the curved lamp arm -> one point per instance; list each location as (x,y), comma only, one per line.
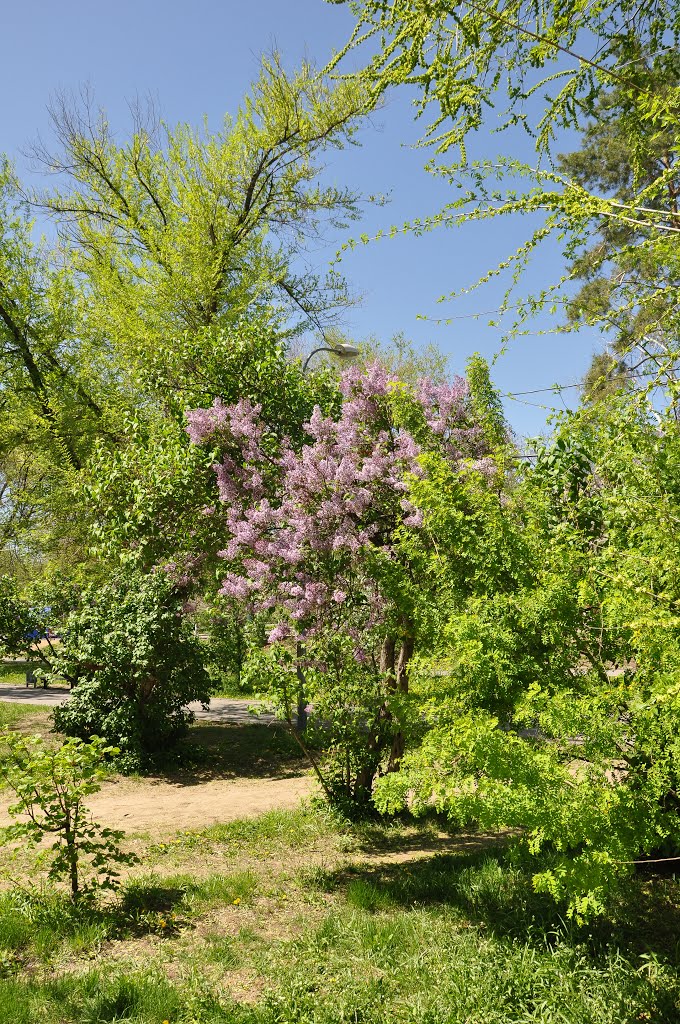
(344,352)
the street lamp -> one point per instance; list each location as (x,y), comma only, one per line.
(340,348)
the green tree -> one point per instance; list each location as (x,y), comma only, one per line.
(538,67)
(553,694)
(48,401)
(406,360)
(55,390)
(617,162)
(177,231)
(171,245)
(136,664)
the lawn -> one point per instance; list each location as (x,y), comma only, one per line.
(301,917)
(26,717)
(12,673)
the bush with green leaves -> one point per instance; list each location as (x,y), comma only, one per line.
(553,699)
(50,787)
(137,666)
(354,712)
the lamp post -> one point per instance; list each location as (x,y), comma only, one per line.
(341,349)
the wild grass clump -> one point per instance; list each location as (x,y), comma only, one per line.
(274,830)
(394,936)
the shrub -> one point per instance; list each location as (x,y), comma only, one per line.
(50,788)
(137,666)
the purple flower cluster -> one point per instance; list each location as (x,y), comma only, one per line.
(310,529)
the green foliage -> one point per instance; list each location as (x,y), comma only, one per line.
(353,707)
(177,229)
(619,156)
(136,663)
(233,634)
(553,688)
(18,622)
(404,359)
(486,404)
(176,278)
(153,499)
(465,62)
(533,67)
(50,788)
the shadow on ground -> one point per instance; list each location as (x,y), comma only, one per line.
(426,837)
(235,752)
(486,888)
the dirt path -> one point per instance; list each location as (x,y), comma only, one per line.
(165,807)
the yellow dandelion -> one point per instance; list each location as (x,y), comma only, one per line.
(237,901)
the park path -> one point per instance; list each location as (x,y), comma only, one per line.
(158,806)
(161,807)
(222,709)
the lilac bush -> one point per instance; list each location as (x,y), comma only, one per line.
(320,537)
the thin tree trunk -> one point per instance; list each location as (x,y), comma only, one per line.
(72,855)
(400,686)
(301,697)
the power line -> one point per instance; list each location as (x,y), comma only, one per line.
(575,384)
(471,316)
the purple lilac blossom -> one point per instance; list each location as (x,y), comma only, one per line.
(300,523)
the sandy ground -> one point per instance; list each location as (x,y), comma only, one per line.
(162,806)
(165,807)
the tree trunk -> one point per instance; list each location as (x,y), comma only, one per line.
(400,686)
(301,721)
(72,857)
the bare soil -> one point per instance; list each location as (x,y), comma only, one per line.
(164,807)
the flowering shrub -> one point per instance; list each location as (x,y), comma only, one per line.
(320,538)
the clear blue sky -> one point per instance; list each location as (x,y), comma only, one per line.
(198,59)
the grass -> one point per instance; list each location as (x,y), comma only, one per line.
(345,936)
(24,716)
(302,917)
(12,673)
(243,751)
(274,831)
(225,685)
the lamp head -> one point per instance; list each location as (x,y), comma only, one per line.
(345,350)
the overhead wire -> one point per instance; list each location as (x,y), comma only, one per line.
(565,387)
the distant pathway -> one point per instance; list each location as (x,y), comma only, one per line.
(222,709)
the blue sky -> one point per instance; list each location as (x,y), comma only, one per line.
(198,59)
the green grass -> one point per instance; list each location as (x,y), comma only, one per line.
(37,928)
(12,673)
(270,832)
(353,936)
(13,716)
(225,685)
(95,998)
(426,966)
(243,751)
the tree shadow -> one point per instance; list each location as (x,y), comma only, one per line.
(487,888)
(229,751)
(430,835)
(149,896)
